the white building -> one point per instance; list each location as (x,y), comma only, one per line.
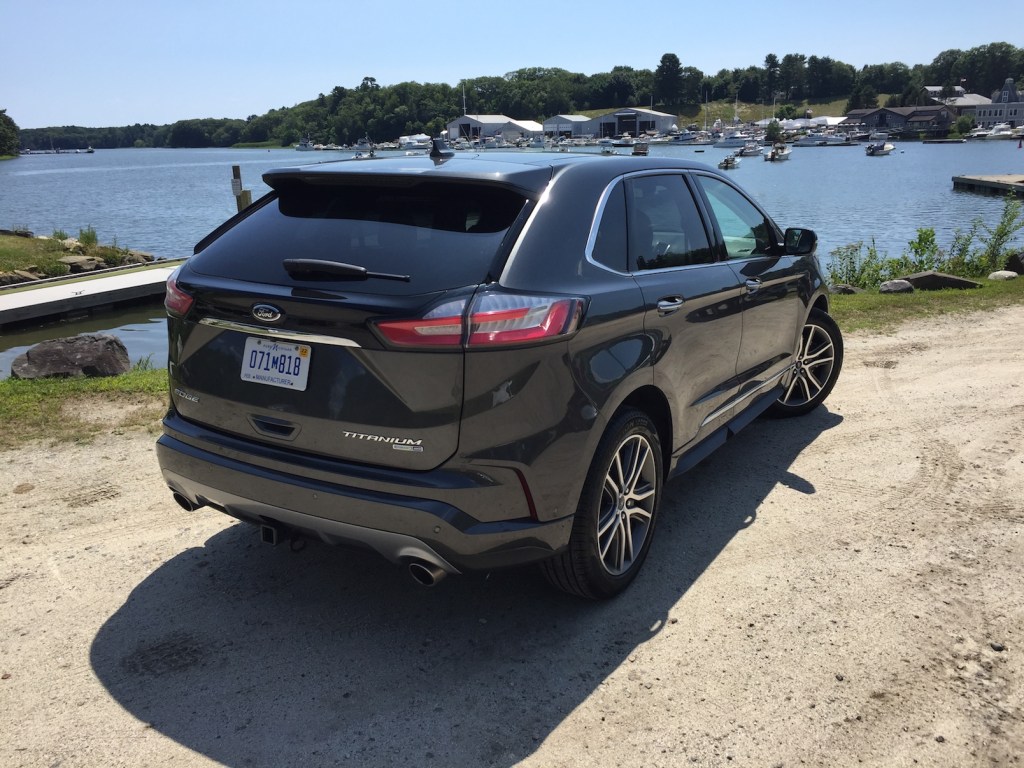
(570,126)
(477,126)
(634,121)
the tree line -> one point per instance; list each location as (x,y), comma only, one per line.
(345,115)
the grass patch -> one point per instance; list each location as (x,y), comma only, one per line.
(75,410)
(873,311)
(21,252)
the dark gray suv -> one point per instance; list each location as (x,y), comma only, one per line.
(474,361)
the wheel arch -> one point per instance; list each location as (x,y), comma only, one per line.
(652,401)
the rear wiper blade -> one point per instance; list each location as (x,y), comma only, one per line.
(314,269)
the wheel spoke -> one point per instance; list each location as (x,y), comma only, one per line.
(627,504)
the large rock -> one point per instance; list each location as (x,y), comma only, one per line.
(936,281)
(896,286)
(1003,274)
(78,264)
(73,357)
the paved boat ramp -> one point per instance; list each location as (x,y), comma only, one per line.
(73,296)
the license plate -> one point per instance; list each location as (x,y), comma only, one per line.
(279,364)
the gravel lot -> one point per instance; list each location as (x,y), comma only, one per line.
(843,589)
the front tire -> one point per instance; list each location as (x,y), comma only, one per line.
(618,508)
(818,362)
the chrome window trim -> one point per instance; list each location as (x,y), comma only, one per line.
(278,333)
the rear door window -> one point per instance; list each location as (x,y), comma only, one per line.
(665,229)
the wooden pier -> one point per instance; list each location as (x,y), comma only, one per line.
(991,185)
(74,296)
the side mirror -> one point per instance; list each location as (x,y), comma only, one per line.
(800,242)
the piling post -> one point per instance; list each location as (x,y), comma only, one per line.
(243,197)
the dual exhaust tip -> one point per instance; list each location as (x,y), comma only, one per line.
(422,571)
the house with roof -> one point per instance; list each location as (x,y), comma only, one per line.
(934,119)
(1006,106)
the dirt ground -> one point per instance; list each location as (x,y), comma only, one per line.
(843,589)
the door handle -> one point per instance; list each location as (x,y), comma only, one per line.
(753,285)
(669,304)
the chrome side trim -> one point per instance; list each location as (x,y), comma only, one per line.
(766,384)
(278,333)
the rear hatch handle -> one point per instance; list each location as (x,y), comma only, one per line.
(276,428)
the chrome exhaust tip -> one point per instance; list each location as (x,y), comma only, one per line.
(425,573)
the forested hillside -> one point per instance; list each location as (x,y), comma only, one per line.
(383,112)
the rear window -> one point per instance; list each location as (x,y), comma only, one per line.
(441,235)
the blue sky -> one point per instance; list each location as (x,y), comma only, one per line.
(113,62)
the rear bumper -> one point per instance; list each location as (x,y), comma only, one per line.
(428,518)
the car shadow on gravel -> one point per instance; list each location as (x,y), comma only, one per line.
(254,655)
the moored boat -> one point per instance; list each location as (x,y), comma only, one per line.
(779,152)
(879,148)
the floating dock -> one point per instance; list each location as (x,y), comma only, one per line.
(74,296)
(991,185)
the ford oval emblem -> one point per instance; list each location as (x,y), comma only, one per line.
(267,313)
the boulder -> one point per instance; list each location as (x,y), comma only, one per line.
(137,257)
(89,355)
(896,286)
(72,245)
(845,289)
(12,278)
(936,281)
(78,264)
(1003,274)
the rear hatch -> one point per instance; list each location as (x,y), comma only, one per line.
(281,343)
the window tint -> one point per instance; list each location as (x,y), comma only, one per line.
(441,235)
(610,244)
(745,230)
(665,227)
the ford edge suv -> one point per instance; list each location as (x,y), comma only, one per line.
(483,360)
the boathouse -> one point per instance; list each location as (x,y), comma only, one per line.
(570,126)
(472,127)
(634,121)
(936,119)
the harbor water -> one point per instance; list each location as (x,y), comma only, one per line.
(163,201)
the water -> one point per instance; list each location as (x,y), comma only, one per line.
(163,201)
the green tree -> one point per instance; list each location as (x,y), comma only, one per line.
(793,75)
(771,75)
(9,141)
(669,80)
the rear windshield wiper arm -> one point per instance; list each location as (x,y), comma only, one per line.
(332,270)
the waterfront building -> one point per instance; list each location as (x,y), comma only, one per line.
(1006,106)
(569,126)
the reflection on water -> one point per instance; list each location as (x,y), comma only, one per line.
(142,329)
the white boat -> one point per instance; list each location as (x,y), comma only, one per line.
(306,145)
(625,140)
(750,149)
(779,152)
(363,145)
(1000,131)
(821,139)
(879,147)
(414,142)
(733,139)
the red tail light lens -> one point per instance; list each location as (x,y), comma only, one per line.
(495,319)
(176,301)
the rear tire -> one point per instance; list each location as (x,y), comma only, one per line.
(818,362)
(615,518)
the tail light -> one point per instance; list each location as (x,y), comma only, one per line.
(176,301)
(492,319)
